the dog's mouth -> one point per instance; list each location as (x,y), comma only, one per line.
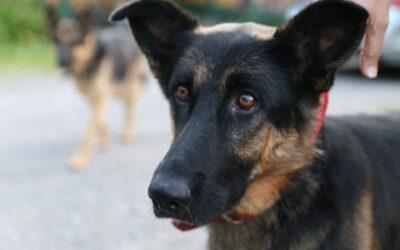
(194,194)
(185,214)
(175,211)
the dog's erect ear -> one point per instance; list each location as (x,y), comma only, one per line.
(83,10)
(320,39)
(156,25)
(51,21)
(85,19)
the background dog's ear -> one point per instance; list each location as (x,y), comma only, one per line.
(320,39)
(85,19)
(156,25)
(83,10)
(51,21)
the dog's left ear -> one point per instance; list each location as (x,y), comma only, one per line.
(156,25)
(320,39)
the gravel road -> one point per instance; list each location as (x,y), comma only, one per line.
(44,205)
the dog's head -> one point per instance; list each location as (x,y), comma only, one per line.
(243,99)
(72,36)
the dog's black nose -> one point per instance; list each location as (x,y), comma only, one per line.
(64,61)
(170,195)
(64,57)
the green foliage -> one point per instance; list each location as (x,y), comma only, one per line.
(23,39)
(21,21)
(250,13)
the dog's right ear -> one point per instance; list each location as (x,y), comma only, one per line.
(319,39)
(156,25)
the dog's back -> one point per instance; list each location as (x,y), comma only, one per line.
(121,50)
(363,157)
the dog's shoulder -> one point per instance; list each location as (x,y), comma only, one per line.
(361,158)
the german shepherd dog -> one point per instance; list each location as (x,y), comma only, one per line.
(102,64)
(245,159)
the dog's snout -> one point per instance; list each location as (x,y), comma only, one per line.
(64,61)
(64,58)
(170,195)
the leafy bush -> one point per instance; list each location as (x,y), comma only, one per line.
(22,21)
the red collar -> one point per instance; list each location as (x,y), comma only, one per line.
(232,218)
(238,218)
(324,98)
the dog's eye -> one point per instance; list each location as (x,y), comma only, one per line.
(246,101)
(182,93)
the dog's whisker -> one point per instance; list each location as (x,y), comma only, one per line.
(188,210)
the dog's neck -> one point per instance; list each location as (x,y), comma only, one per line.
(269,229)
(87,57)
(226,235)
(94,62)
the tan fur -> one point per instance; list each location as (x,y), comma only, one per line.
(281,156)
(201,74)
(253,146)
(260,31)
(364,223)
(261,194)
(99,89)
(130,91)
(205,65)
(83,53)
(202,69)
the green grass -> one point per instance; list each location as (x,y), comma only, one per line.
(33,55)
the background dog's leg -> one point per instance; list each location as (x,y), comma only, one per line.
(103,133)
(80,159)
(135,88)
(128,132)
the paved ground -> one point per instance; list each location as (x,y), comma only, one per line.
(44,205)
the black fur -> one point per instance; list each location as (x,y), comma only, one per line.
(318,40)
(120,49)
(361,153)
(157,25)
(218,144)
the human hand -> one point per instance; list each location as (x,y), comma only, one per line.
(374,35)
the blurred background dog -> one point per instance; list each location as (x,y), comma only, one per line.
(103,61)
